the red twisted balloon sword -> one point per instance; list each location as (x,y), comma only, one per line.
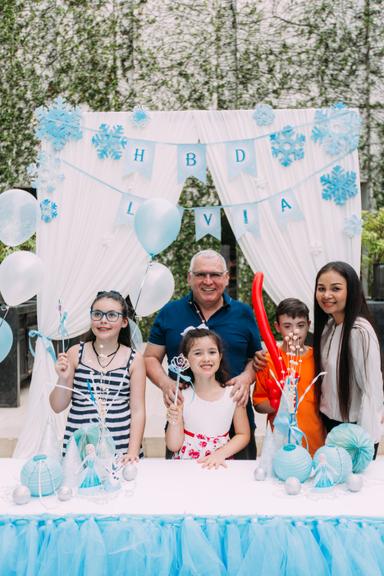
(265,329)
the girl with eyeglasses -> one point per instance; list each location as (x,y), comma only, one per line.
(103,379)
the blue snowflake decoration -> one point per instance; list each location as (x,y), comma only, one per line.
(140,117)
(353,226)
(44,174)
(109,142)
(263,114)
(339,185)
(287,146)
(58,124)
(48,210)
(337,129)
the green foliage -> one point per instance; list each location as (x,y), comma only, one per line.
(373,236)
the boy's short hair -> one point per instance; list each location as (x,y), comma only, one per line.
(293,308)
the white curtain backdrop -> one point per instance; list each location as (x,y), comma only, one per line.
(289,256)
(83,251)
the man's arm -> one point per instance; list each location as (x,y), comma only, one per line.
(154,355)
(241,384)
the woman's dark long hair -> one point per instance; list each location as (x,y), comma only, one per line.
(191,336)
(355,306)
(125,332)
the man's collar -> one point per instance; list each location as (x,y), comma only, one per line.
(226,299)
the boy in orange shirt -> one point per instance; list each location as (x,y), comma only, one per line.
(292,318)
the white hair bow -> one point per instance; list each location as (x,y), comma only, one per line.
(202,326)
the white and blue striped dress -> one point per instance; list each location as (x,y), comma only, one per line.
(113,388)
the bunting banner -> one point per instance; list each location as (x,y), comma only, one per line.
(207,221)
(285,207)
(191,161)
(245,218)
(241,157)
(139,157)
(127,209)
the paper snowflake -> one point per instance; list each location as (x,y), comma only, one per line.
(44,174)
(109,142)
(263,114)
(287,146)
(58,124)
(352,226)
(48,210)
(337,129)
(339,185)
(140,117)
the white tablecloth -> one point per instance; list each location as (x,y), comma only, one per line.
(183,487)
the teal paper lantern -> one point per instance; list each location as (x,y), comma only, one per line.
(339,461)
(292,460)
(356,441)
(42,475)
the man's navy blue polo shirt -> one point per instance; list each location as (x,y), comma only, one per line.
(234,322)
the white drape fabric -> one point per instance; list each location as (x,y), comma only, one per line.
(290,255)
(83,251)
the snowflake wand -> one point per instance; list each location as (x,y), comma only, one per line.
(178,365)
(62,329)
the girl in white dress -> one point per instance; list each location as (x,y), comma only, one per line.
(198,426)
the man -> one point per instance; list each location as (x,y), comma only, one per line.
(207,304)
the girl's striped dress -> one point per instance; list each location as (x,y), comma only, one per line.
(113,389)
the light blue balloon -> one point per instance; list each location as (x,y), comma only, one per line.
(157,224)
(6,339)
(18,216)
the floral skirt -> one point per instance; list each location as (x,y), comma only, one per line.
(198,445)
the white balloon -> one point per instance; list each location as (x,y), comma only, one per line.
(153,291)
(21,277)
(19,212)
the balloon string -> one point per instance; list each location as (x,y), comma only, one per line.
(3,308)
(150,262)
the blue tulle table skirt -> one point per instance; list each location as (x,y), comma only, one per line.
(187,545)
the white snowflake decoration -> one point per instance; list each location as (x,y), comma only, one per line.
(352,226)
(287,146)
(110,142)
(140,117)
(58,124)
(339,185)
(263,114)
(44,174)
(337,129)
(48,210)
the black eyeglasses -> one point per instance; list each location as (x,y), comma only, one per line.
(111,315)
(212,275)
(101,292)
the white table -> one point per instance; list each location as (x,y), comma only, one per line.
(178,506)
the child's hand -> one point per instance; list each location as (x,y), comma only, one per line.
(214,460)
(259,360)
(62,365)
(129,458)
(175,414)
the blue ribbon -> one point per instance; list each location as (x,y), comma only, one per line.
(62,329)
(179,374)
(46,341)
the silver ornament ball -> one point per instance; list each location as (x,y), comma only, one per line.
(129,472)
(260,474)
(21,495)
(292,486)
(64,493)
(354,482)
